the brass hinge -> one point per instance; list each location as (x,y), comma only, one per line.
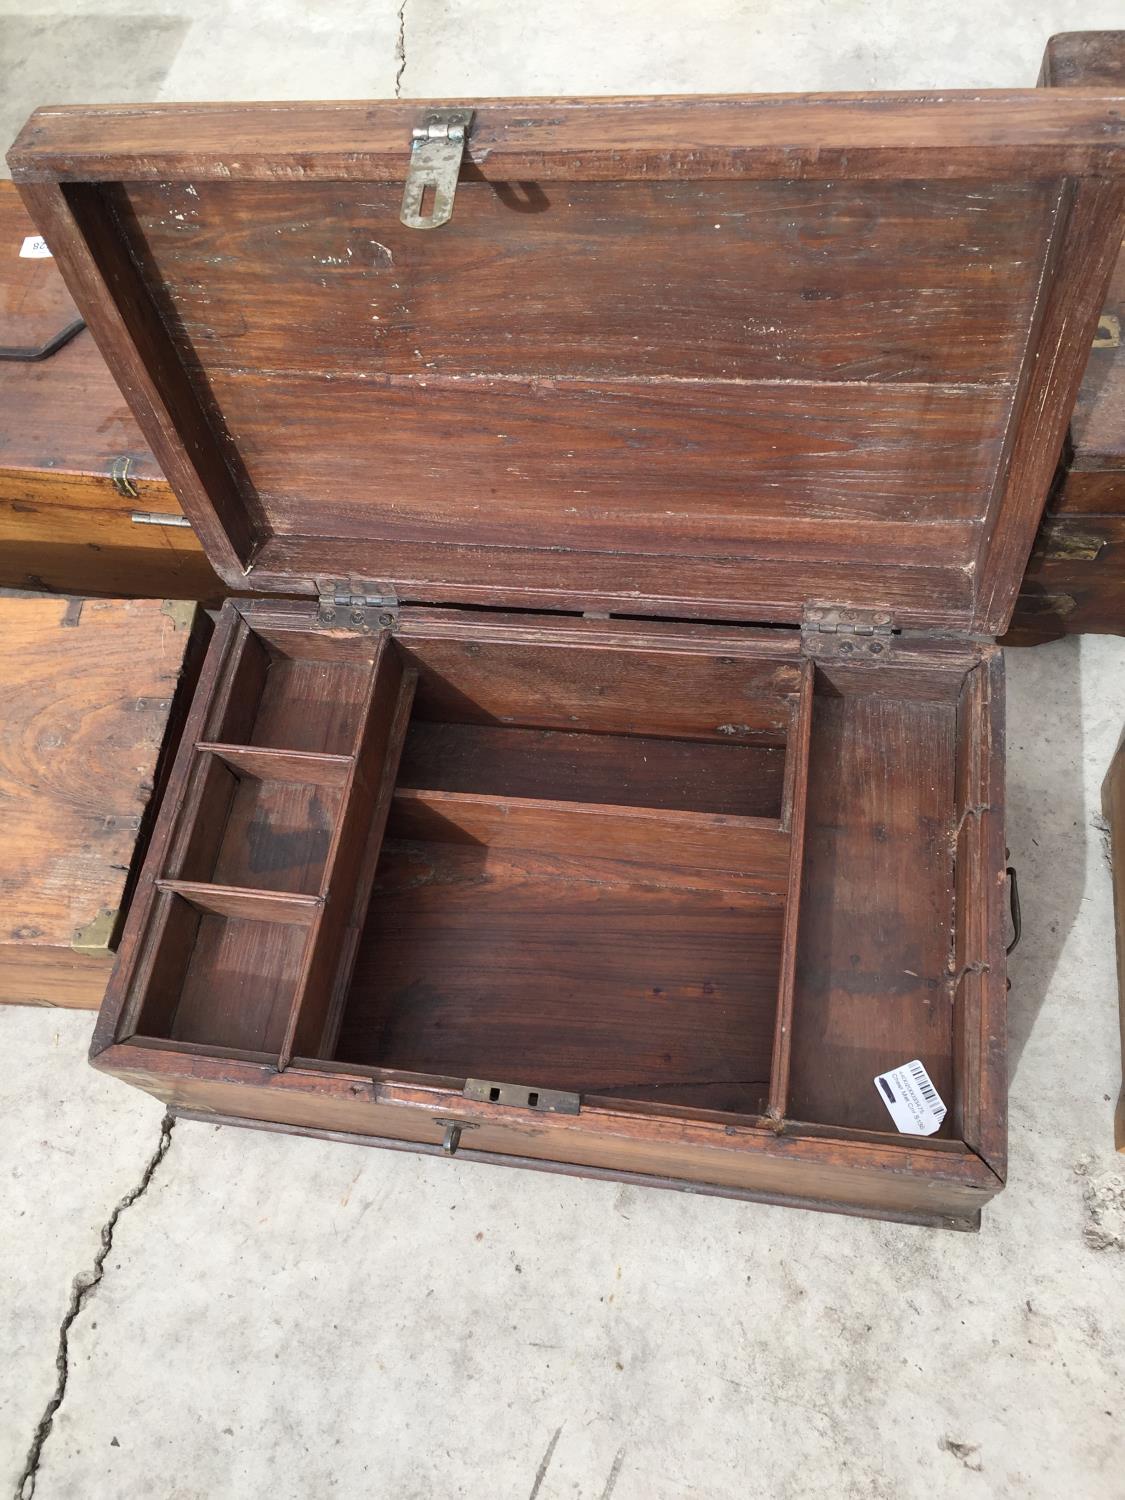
(841,630)
(356,604)
(547,1101)
(436,149)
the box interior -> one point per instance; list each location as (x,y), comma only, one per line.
(564,873)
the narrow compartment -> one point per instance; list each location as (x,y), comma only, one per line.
(290,696)
(218,980)
(248,827)
(873,987)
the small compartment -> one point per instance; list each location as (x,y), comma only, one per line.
(220,981)
(290,693)
(256,826)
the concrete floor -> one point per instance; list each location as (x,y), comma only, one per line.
(271,1317)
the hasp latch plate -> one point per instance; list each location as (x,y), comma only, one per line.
(436,149)
(518,1095)
(844,630)
(355,605)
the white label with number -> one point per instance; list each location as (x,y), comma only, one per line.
(34,247)
(915,1105)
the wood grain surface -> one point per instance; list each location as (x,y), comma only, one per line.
(863,399)
(88,690)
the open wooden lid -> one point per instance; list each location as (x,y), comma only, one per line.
(701,357)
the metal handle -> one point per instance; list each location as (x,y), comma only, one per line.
(1014,905)
(452,1137)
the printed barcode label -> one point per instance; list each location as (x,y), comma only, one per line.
(34,247)
(914,1104)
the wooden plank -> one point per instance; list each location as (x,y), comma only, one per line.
(326,970)
(629,771)
(873,989)
(741,589)
(243,902)
(999,134)
(88,691)
(875,282)
(494,461)
(281,765)
(495,968)
(797,774)
(615,846)
(909,1179)
(1089,240)
(980,1079)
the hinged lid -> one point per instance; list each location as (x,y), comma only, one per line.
(691,357)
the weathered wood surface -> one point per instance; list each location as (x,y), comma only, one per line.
(825,137)
(863,399)
(644,957)
(87,691)
(1075,579)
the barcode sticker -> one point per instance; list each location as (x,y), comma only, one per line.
(915,1105)
(34,247)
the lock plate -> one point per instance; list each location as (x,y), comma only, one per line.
(436,150)
(546,1101)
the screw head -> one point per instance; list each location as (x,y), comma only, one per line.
(329,616)
(357,616)
(846,648)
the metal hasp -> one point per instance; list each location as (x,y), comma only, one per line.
(548,1101)
(835,630)
(435,164)
(355,605)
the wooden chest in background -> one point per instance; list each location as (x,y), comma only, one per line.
(92,696)
(74,467)
(1075,579)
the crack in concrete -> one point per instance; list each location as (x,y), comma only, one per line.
(80,1290)
(544,1464)
(400,48)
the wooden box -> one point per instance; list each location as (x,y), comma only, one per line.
(94,695)
(619,787)
(1075,578)
(84,508)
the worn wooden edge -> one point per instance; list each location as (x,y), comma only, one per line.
(351,1085)
(138,349)
(1082,254)
(349,868)
(984,1060)
(114,1009)
(824,136)
(55,977)
(797,753)
(965,1223)
(1083,59)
